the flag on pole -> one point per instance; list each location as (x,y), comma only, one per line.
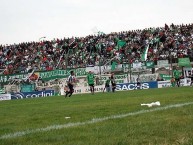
(144,55)
(114,65)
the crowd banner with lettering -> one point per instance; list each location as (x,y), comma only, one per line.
(137,65)
(150,64)
(6,78)
(59,74)
(46,75)
(162,63)
(103,69)
(165,77)
(144,77)
(184,62)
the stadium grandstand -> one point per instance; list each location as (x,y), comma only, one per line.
(119,52)
(165,43)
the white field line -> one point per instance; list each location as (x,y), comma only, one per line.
(94,120)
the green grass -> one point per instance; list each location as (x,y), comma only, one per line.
(164,127)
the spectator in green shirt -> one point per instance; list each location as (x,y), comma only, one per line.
(90,79)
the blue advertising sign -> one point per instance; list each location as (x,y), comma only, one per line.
(133,86)
(34,94)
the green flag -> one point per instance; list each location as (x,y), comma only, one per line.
(144,55)
(121,43)
(114,65)
(150,64)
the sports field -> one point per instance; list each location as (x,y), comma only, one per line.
(100,119)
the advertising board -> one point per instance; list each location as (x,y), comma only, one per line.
(35,94)
(5,97)
(133,86)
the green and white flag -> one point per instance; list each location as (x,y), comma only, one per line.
(144,55)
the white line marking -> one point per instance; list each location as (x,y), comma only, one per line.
(94,120)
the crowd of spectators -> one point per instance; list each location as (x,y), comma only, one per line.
(168,42)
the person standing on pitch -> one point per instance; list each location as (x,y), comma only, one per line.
(113,83)
(90,79)
(138,83)
(177,76)
(107,85)
(70,82)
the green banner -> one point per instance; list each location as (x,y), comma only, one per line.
(150,64)
(59,74)
(184,62)
(46,75)
(165,77)
(5,78)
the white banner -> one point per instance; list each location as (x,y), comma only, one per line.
(5,97)
(162,63)
(144,77)
(183,82)
(82,90)
(164,84)
(137,65)
(103,69)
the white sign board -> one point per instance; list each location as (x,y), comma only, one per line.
(5,97)
(164,84)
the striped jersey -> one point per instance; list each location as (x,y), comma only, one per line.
(71,79)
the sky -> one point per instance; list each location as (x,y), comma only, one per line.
(30,20)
